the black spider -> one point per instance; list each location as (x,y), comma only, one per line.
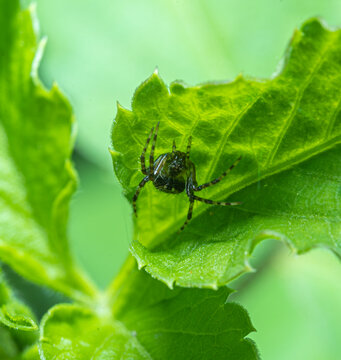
(173,173)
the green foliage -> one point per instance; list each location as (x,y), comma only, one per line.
(152,322)
(138,317)
(288,131)
(17,324)
(36,177)
(213,40)
(13,314)
(79,333)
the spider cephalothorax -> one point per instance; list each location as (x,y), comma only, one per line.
(173,173)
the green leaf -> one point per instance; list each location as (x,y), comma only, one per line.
(287,130)
(13,346)
(31,353)
(17,324)
(36,177)
(8,347)
(12,312)
(76,332)
(150,322)
(17,344)
(181,323)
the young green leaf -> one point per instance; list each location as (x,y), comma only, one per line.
(78,333)
(36,175)
(151,322)
(13,313)
(287,130)
(17,324)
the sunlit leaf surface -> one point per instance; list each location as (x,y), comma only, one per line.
(287,131)
(139,317)
(151,322)
(36,176)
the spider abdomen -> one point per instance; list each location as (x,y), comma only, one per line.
(168,184)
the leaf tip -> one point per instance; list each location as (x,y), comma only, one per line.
(121,114)
(119,106)
(169,282)
(248,267)
(140,265)
(213,286)
(239,77)
(114,154)
(135,252)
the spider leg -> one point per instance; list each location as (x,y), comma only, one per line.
(189,192)
(203,186)
(174,147)
(141,185)
(151,158)
(188,147)
(212,202)
(189,214)
(143,161)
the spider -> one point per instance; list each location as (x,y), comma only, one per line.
(174,172)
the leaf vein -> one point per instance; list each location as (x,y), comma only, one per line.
(298,99)
(227,133)
(333,120)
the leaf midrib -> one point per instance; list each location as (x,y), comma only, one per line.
(254,177)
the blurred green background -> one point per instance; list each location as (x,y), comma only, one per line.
(99,52)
